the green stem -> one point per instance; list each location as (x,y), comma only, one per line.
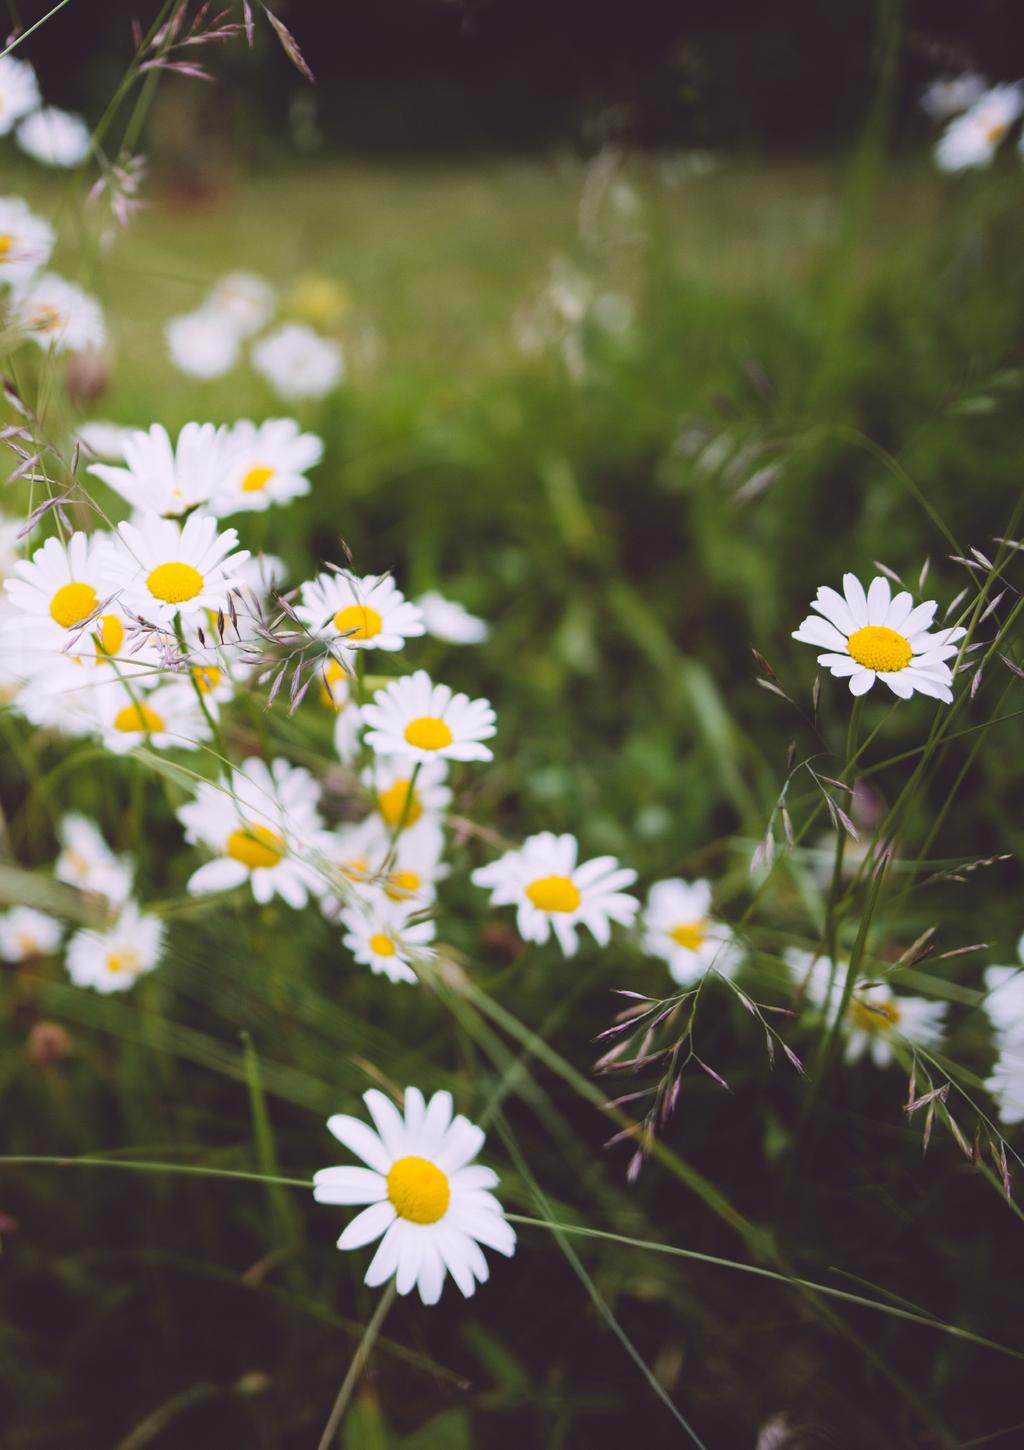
(355,1369)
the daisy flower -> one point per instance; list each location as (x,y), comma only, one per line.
(336,694)
(269,462)
(202,344)
(88,863)
(1006,1082)
(431,1203)
(161,477)
(398,799)
(1005,1001)
(678,927)
(552,893)
(163,568)
(298,363)
(243,299)
(166,718)
(368,612)
(949,95)
(54,137)
(113,960)
(257,825)
(875,1017)
(26,933)
(26,241)
(61,586)
(361,852)
(973,139)
(380,935)
(452,622)
(19,91)
(55,313)
(873,635)
(415,718)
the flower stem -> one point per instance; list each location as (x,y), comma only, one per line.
(355,1369)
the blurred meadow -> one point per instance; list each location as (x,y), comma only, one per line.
(631,405)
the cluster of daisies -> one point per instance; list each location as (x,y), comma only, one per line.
(46,133)
(56,314)
(978,118)
(297,361)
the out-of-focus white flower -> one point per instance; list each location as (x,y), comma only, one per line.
(380,935)
(19,91)
(1005,1001)
(452,622)
(54,137)
(406,871)
(243,299)
(949,95)
(161,568)
(113,960)
(161,477)
(552,893)
(1006,1083)
(972,140)
(370,612)
(55,313)
(678,927)
(416,718)
(869,635)
(86,861)
(875,1016)
(432,1205)
(268,464)
(167,718)
(202,344)
(100,439)
(401,801)
(26,933)
(298,363)
(26,241)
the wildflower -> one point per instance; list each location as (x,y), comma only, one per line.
(163,568)
(27,933)
(406,869)
(1006,1081)
(61,587)
(973,139)
(269,462)
(298,363)
(26,241)
(875,1016)
(553,894)
(202,344)
(869,636)
(258,825)
(54,137)
(949,95)
(86,861)
(381,936)
(432,1205)
(19,91)
(243,300)
(166,718)
(368,612)
(113,960)
(453,623)
(401,801)
(336,694)
(57,314)
(413,717)
(678,927)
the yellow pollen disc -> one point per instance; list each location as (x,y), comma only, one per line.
(174,583)
(6,243)
(392,804)
(330,694)
(46,319)
(207,677)
(428,733)
(27,944)
(418,1190)
(554,893)
(358,621)
(995,133)
(878,1017)
(357,868)
(111,634)
(401,884)
(689,934)
(877,647)
(256,479)
(381,945)
(127,961)
(135,718)
(256,847)
(72,603)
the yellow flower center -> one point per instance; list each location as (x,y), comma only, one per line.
(418,1190)
(874,1017)
(27,943)
(428,733)
(207,677)
(554,893)
(111,633)
(995,132)
(382,946)
(126,961)
(330,695)
(134,718)
(72,603)
(256,847)
(45,319)
(6,243)
(256,479)
(401,884)
(174,583)
(689,934)
(392,804)
(358,621)
(877,647)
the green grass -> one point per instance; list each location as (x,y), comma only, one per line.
(873,359)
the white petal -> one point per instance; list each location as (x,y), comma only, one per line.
(861,684)
(856,599)
(349,1185)
(361,1140)
(409,1259)
(385,1260)
(388,1121)
(431,1274)
(368,1225)
(879,595)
